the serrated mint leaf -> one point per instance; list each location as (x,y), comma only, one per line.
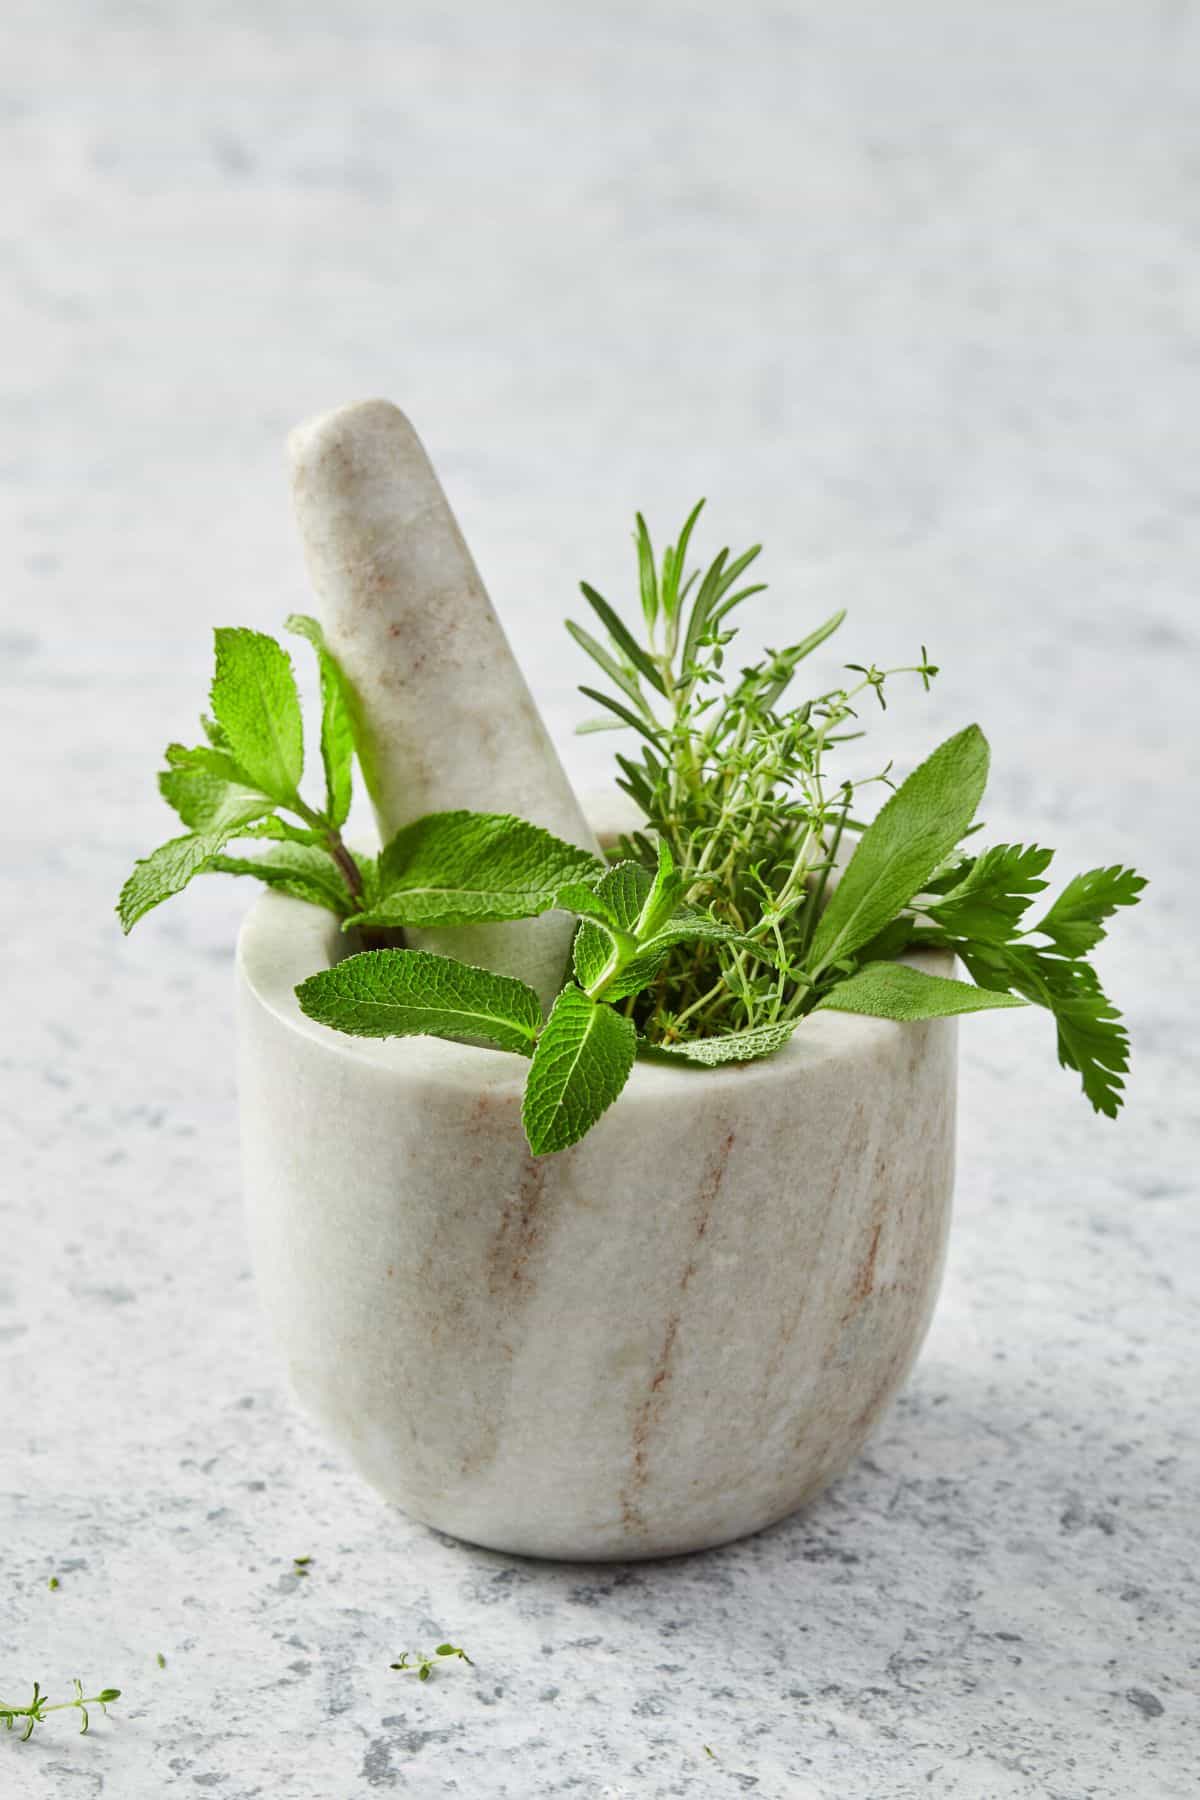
(255,703)
(912,834)
(578,897)
(1074,923)
(302,870)
(581,1063)
(207,790)
(665,894)
(687,927)
(992,893)
(166,871)
(337,737)
(888,990)
(412,993)
(463,868)
(623,891)
(733,1047)
(282,831)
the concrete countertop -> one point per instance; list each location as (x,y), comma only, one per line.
(911,295)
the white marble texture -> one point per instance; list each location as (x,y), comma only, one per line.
(911,293)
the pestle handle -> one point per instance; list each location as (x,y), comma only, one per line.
(444,716)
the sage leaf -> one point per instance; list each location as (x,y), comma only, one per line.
(337,737)
(888,990)
(468,868)
(412,993)
(732,1047)
(581,1063)
(255,703)
(912,834)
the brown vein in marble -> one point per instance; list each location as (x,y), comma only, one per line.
(652,1407)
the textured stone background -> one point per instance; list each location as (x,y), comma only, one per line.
(912,294)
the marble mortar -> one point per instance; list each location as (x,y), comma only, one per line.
(667,1337)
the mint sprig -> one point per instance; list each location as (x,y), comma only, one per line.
(241,782)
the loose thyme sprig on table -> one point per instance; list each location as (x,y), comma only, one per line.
(416,1662)
(39,1706)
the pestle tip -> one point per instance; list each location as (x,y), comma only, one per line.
(346,429)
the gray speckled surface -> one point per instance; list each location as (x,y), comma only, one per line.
(912,295)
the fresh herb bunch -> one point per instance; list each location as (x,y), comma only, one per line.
(718,928)
(27,1717)
(736,784)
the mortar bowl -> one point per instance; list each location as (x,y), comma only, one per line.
(669,1336)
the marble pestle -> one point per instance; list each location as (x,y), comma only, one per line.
(444,717)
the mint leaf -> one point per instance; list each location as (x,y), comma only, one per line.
(337,737)
(282,830)
(664,896)
(461,868)
(167,871)
(913,832)
(623,890)
(733,1047)
(578,897)
(301,870)
(412,993)
(991,895)
(208,791)
(581,1063)
(888,990)
(255,703)
(687,927)
(1074,923)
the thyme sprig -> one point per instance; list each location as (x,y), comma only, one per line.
(416,1662)
(735,781)
(40,1706)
